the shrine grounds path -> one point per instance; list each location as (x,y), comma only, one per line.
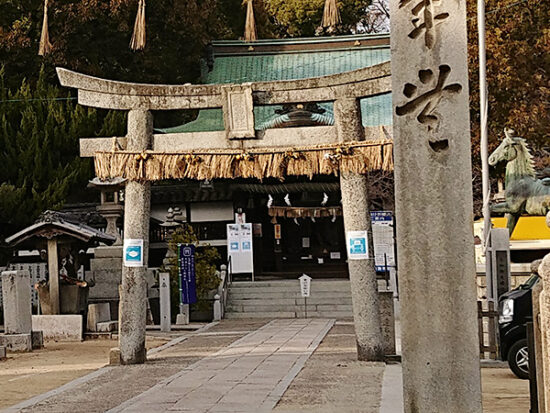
(276,365)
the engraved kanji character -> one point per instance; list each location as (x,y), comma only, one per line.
(426,103)
(426,21)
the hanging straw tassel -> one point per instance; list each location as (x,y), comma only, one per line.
(138,38)
(331,15)
(45,45)
(250,34)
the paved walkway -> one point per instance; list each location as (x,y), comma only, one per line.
(250,375)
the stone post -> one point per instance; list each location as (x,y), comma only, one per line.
(53,271)
(165,313)
(16,300)
(539,347)
(433,199)
(544,302)
(355,205)
(217,309)
(137,208)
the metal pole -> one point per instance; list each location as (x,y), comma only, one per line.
(484,146)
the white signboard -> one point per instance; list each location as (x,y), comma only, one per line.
(239,248)
(305,284)
(233,238)
(357,245)
(382,233)
(133,252)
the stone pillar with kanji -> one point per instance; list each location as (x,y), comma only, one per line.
(433,198)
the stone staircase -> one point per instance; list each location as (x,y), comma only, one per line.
(282,299)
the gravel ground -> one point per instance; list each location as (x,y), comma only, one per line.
(332,380)
(25,375)
(503,392)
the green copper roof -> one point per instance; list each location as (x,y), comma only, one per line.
(237,67)
(289,66)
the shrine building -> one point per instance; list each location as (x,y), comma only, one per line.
(298,226)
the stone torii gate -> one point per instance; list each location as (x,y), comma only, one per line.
(433,186)
(143,156)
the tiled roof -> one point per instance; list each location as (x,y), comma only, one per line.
(282,64)
(289,66)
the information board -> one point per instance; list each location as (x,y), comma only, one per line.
(239,248)
(187,275)
(383,238)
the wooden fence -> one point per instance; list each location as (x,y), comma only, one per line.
(487,318)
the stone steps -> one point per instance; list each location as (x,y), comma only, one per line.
(282,299)
(249,295)
(288,301)
(283,286)
(266,307)
(290,314)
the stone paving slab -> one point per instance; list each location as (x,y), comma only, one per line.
(249,376)
(108,387)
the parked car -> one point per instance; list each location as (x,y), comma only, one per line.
(515,310)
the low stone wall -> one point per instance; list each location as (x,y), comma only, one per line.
(59,327)
(16,342)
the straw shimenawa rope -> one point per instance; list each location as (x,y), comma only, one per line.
(45,45)
(250,34)
(358,157)
(138,37)
(331,14)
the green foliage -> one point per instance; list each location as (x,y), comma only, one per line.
(39,161)
(93,37)
(205,266)
(295,18)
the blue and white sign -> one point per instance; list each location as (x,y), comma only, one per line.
(357,245)
(381,217)
(187,275)
(133,253)
(247,245)
(383,238)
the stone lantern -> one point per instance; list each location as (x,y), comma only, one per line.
(173,221)
(111,207)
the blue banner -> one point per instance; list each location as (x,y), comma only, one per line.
(188,279)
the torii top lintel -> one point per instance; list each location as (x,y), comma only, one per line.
(239,150)
(108,94)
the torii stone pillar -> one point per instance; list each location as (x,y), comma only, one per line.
(433,198)
(355,206)
(137,208)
